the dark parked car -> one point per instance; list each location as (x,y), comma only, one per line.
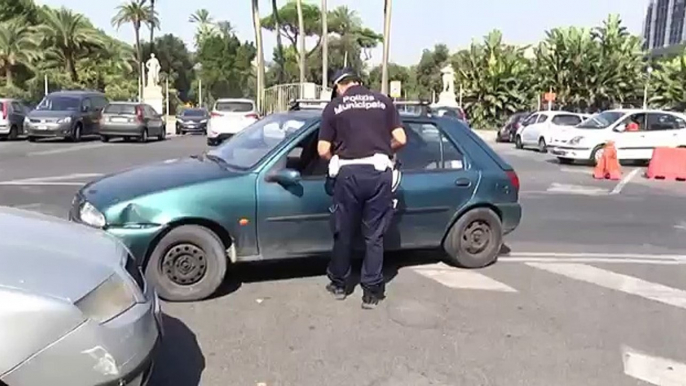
(507,132)
(66,114)
(12,118)
(192,121)
(261,195)
(132,120)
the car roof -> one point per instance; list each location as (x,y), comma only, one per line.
(75,93)
(235,100)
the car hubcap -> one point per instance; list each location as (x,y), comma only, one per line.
(185,264)
(477,237)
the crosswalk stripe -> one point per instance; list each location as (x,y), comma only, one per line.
(654,370)
(611,280)
(461,278)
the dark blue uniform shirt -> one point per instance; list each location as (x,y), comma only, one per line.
(359,123)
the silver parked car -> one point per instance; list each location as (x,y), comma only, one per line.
(74,307)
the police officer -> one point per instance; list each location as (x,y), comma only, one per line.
(359,134)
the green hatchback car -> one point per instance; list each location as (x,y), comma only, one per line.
(261,195)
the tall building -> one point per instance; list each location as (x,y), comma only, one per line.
(664,24)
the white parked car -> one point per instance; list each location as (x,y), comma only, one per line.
(538,129)
(586,140)
(228,117)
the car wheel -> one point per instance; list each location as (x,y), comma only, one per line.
(76,133)
(565,161)
(511,138)
(178,131)
(31,139)
(542,147)
(211,142)
(104,138)
(474,241)
(144,136)
(189,263)
(163,135)
(518,142)
(14,133)
(596,154)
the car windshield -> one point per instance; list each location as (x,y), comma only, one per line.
(234,106)
(250,145)
(59,103)
(120,109)
(601,121)
(194,113)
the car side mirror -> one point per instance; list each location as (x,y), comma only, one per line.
(620,128)
(285,177)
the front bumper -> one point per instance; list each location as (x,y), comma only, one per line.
(4,128)
(191,127)
(48,130)
(119,352)
(580,153)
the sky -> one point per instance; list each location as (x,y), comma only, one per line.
(416,24)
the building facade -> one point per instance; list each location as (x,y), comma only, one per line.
(664,24)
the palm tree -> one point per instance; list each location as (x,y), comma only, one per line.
(137,13)
(386,45)
(260,53)
(325,46)
(279,42)
(68,36)
(205,24)
(18,45)
(301,41)
(152,27)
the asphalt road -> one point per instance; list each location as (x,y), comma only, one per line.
(592,292)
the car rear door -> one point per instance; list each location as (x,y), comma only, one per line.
(437,178)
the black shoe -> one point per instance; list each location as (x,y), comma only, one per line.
(370,300)
(337,292)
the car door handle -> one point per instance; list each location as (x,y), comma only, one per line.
(463,182)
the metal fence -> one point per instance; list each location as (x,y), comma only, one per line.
(277,98)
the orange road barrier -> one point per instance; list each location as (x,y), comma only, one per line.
(607,166)
(667,164)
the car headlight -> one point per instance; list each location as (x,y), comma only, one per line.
(203,121)
(26,120)
(91,216)
(108,300)
(575,140)
(64,120)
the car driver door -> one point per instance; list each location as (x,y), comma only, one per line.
(292,203)
(436,180)
(632,145)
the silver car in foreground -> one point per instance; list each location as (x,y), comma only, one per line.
(74,307)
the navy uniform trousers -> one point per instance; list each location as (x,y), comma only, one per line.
(362,201)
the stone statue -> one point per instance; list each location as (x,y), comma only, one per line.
(448,80)
(153,66)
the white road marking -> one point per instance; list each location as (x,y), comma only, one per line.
(461,278)
(580,171)
(66,149)
(576,189)
(652,369)
(589,260)
(625,181)
(623,283)
(584,254)
(52,180)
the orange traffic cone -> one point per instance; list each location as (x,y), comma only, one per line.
(607,166)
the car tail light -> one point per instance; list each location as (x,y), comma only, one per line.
(213,115)
(253,116)
(514,179)
(4,110)
(139,114)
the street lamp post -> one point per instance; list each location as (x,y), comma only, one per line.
(198,70)
(649,71)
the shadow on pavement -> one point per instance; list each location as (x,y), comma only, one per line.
(274,270)
(180,361)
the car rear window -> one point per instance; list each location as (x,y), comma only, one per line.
(120,109)
(566,120)
(234,107)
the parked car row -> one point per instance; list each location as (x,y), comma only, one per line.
(575,137)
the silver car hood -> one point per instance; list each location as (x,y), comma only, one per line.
(46,256)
